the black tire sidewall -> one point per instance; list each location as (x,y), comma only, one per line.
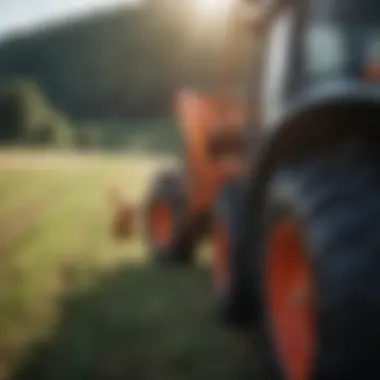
(233,300)
(334,200)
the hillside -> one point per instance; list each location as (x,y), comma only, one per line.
(124,63)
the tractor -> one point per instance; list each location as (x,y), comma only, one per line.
(293,214)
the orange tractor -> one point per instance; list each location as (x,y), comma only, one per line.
(186,204)
(200,197)
(294,223)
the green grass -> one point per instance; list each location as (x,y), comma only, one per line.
(75,304)
(140,135)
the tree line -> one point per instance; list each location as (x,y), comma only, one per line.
(27,117)
(122,65)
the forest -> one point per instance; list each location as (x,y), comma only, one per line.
(90,80)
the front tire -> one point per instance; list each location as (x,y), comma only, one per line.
(170,237)
(318,268)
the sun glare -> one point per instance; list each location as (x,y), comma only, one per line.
(214,6)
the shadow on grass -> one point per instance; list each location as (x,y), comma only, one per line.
(141,322)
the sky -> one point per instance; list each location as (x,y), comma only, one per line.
(25,15)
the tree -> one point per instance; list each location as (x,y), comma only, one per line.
(23,109)
(56,131)
(89,136)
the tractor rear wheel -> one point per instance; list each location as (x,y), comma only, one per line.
(230,280)
(319,268)
(169,237)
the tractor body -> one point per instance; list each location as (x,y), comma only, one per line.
(212,129)
(212,155)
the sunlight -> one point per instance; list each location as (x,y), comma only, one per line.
(214,6)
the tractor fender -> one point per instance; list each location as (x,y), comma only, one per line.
(319,117)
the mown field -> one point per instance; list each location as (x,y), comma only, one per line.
(75,304)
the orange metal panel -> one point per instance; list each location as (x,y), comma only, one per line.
(199,115)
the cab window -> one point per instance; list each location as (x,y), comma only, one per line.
(341,39)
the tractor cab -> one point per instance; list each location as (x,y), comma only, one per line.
(318,75)
(321,65)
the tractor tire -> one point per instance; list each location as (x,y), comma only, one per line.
(319,268)
(230,278)
(169,237)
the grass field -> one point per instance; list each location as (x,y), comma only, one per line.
(77,305)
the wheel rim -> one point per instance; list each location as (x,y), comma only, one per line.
(220,252)
(290,302)
(162,224)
